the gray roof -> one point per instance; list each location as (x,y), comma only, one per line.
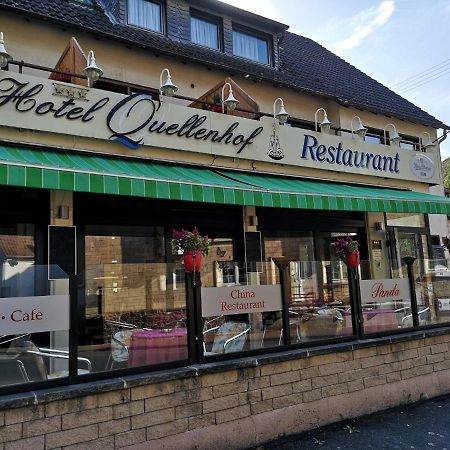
(305,65)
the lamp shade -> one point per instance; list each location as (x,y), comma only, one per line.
(361,130)
(395,138)
(282,115)
(168,88)
(428,143)
(92,72)
(325,125)
(231,103)
(5,57)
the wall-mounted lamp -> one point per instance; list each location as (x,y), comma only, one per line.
(426,144)
(231,103)
(62,212)
(325,125)
(282,114)
(379,226)
(167,88)
(92,72)
(361,130)
(394,137)
(5,57)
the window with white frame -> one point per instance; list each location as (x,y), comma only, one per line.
(251,47)
(146,14)
(204,32)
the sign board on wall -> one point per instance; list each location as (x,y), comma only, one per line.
(137,120)
(225,301)
(384,290)
(444,304)
(34,314)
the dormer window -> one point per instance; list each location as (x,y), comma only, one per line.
(205,31)
(145,14)
(251,46)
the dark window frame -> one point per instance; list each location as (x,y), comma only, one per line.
(375,132)
(163,17)
(301,124)
(207,17)
(412,140)
(169,219)
(257,34)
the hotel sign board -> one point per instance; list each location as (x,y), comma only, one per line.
(385,290)
(229,300)
(137,121)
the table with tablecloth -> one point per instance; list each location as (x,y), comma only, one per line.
(157,346)
(375,320)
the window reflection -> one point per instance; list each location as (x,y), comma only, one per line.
(135,303)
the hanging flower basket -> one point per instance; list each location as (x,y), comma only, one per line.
(348,251)
(192,260)
(352,260)
(192,245)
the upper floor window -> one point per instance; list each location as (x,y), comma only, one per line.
(146,14)
(204,32)
(374,136)
(410,143)
(296,123)
(251,47)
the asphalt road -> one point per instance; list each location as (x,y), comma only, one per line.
(419,426)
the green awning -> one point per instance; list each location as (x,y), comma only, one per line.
(87,172)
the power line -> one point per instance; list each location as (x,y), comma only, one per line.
(424,77)
(424,73)
(425,81)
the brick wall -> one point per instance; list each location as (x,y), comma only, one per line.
(253,401)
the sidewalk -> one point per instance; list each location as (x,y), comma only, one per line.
(419,426)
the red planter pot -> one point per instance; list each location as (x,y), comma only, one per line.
(192,259)
(352,260)
(216,108)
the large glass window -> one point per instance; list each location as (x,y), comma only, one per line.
(204,32)
(251,47)
(405,220)
(146,14)
(34,311)
(134,303)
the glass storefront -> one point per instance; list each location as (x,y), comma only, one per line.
(135,308)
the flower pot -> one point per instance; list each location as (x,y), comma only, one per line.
(352,260)
(192,258)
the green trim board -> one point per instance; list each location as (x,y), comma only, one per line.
(87,172)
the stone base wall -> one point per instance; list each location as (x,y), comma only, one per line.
(213,406)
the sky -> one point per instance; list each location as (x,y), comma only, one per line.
(403,44)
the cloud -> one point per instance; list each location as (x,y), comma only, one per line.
(365,23)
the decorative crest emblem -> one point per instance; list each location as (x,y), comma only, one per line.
(275,151)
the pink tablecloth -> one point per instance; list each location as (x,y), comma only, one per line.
(375,320)
(156,346)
